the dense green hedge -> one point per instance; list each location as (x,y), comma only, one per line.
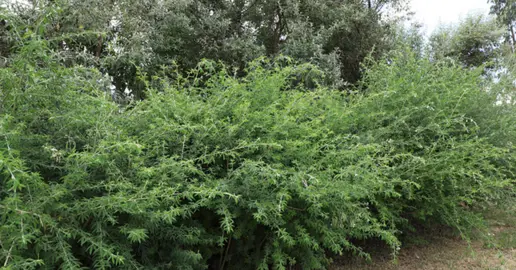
(213,171)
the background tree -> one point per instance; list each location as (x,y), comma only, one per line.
(125,38)
(473,42)
(505,10)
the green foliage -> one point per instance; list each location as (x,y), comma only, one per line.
(410,38)
(216,171)
(123,37)
(505,11)
(474,42)
(450,137)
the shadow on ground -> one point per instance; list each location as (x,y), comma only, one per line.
(441,249)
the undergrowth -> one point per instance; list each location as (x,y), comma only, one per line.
(258,172)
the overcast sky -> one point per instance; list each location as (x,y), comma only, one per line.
(433,12)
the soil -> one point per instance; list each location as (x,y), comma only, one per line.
(441,249)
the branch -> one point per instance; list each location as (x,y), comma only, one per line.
(21,212)
(8,255)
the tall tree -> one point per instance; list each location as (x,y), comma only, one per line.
(125,37)
(473,42)
(505,10)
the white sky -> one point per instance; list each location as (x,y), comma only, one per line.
(433,12)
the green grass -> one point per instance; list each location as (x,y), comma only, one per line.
(502,225)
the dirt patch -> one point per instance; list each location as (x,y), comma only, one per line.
(443,253)
(442,250)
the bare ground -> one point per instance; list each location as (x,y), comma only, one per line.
(440,249)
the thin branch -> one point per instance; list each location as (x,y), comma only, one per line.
(183,148)
(19,211)
(226,254)
(8,255)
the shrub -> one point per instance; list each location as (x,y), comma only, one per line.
(237,173)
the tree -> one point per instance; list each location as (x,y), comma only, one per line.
(505,10)
(126,38)
(473,42)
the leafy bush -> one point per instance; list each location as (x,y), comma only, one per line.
(238,173)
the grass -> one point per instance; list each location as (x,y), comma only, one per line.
(439,248)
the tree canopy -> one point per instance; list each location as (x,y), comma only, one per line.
(473,42)
(505,11)
(124,37)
